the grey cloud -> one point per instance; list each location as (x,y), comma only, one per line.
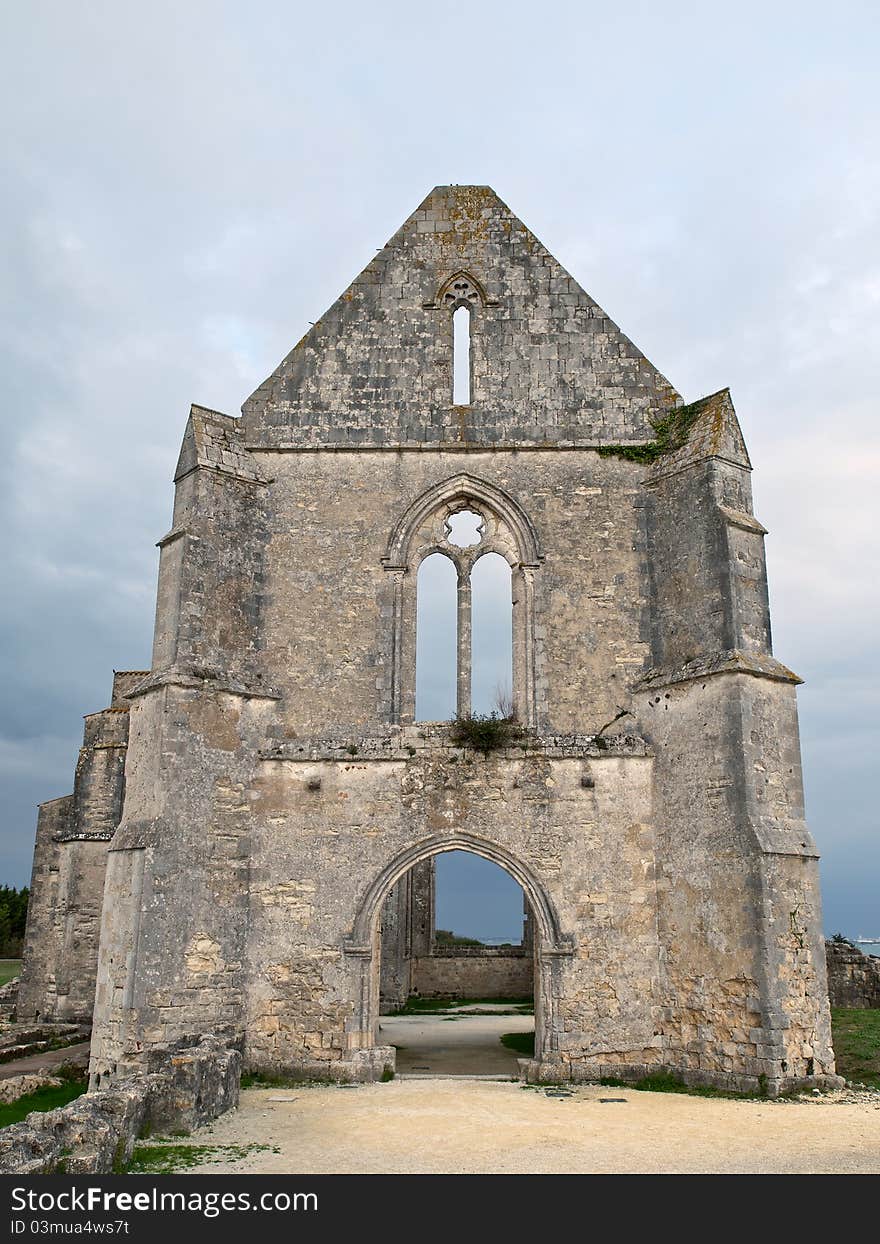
(189,185)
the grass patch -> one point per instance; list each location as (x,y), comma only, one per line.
(256,1079)
(485,732)
(260,1080)
(665,1082)
(49,1098)
(522,1042)
(165,1157)
(856,1036)
(427,1006)
(442,1006)
(9,969)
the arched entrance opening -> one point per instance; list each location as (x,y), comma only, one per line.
(456,973)
(541,943)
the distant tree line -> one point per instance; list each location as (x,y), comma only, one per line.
(13,914)
(445,937)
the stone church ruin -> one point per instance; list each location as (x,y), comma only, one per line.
(249,843)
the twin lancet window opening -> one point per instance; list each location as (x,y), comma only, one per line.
(464,632)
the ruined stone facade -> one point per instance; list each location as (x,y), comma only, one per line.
(853,977)
(277,785)
(60,956)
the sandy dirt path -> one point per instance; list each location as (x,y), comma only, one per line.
(452,1044)
(450,1126)
(71,1055)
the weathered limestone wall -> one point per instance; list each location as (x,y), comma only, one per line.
(172,940)
(738,889)
(739,904)
(853,977)
(395,978)
(329,641)
(548,365)
(310,1006)
(487,973)
(36,992)
(209,597)
(67,886)
(589,849)
(407,928)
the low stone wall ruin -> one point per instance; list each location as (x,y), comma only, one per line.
(481,972)
(184,1085)
(853,977)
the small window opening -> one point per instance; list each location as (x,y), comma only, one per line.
(464,529)
(461,357)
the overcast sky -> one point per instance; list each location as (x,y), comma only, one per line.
(187,184)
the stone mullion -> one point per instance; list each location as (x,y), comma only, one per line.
(464,642)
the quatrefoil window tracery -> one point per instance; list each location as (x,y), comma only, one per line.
(464,529)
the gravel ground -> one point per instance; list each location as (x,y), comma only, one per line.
(468,1126)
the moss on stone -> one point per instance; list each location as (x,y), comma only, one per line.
(672,431)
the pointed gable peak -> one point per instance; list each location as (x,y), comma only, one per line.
(547,364)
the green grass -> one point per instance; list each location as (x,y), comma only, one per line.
(48,1098)
(485,732)
(259,1079)
(256,1079)
(9,968)
(164,1157)
(672,431)
(521,1042)
(665,1082)
(423,1006)
(440,1006)
(856,1035)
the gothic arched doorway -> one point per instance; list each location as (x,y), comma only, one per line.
(544,943)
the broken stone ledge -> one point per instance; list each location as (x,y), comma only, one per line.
(430,738)
(189,1083)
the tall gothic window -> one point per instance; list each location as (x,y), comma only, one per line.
(464,645)
(462,560)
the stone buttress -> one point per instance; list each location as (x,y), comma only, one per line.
(67,885)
